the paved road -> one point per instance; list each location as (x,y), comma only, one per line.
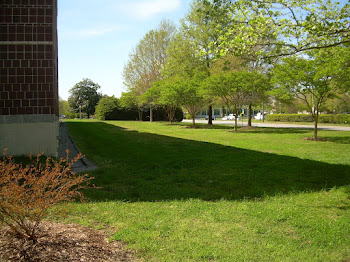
(231,122)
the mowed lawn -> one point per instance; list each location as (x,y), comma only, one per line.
(174,193)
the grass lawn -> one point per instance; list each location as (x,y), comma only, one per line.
(174,193)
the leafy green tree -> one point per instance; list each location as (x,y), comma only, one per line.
(167,95)
(202,31)
(186,73)
(64,108)
(257,88)
(84,97)
(237,88)
(129,100)
(182,59)
(192,94)
(107,108)
(146,62)
(339,104)
(292,26)
(313,80)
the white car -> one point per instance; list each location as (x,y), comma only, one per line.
(230,117)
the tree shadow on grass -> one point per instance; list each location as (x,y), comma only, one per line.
(269,130)
(253,129)
(137,166)
(204,126)
(339,140)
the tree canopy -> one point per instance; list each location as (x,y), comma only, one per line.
(84,96)
(312,79)
(292,26)
(147,60)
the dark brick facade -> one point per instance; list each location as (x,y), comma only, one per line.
(28,57)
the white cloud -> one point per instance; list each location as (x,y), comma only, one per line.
(89,32)
(144,9)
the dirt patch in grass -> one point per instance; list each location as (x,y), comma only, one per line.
(63,243)
(248,128)
(315,139)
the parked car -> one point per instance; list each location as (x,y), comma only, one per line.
(230,117)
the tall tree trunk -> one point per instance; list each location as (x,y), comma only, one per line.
(315,124)
(171,114)
(193,122)
(236,118)
(151,114)
(250,115)
(140,114)
(210,115)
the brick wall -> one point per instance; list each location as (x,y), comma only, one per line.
(28,57)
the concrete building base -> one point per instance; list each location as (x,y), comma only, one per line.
(29,134)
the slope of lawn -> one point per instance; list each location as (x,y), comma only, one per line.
(174,193)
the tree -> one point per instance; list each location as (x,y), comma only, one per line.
(146,62)
(193,94)
(128,100)
(292,26)
(256,88)
(167,95)
(237,88)
(84,96)
(107,108)
(202,31)
(313,80)
(339,104)
(63,107)
(186,73)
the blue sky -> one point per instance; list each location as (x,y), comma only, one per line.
(95,37)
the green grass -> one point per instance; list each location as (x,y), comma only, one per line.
(174,193)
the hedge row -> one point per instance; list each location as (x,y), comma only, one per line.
(159,114)
(333,119)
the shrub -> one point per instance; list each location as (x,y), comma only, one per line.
(289,118)
(333,119)
(107,108)
(28,192)
(160,114)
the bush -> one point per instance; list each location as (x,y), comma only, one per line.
(333,119)
(28,192)
(289,118)
(160,114)
(123,113)
(107,108)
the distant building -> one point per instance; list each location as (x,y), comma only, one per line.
(28,77)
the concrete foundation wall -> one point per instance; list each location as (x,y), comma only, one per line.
(29,134)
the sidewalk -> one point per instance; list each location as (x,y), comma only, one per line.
(275,125)
(66,142)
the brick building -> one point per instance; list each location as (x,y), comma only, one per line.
(28,77)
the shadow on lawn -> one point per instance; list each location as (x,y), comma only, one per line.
(253,129)
(269,130)
(137,166)
(339,140)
